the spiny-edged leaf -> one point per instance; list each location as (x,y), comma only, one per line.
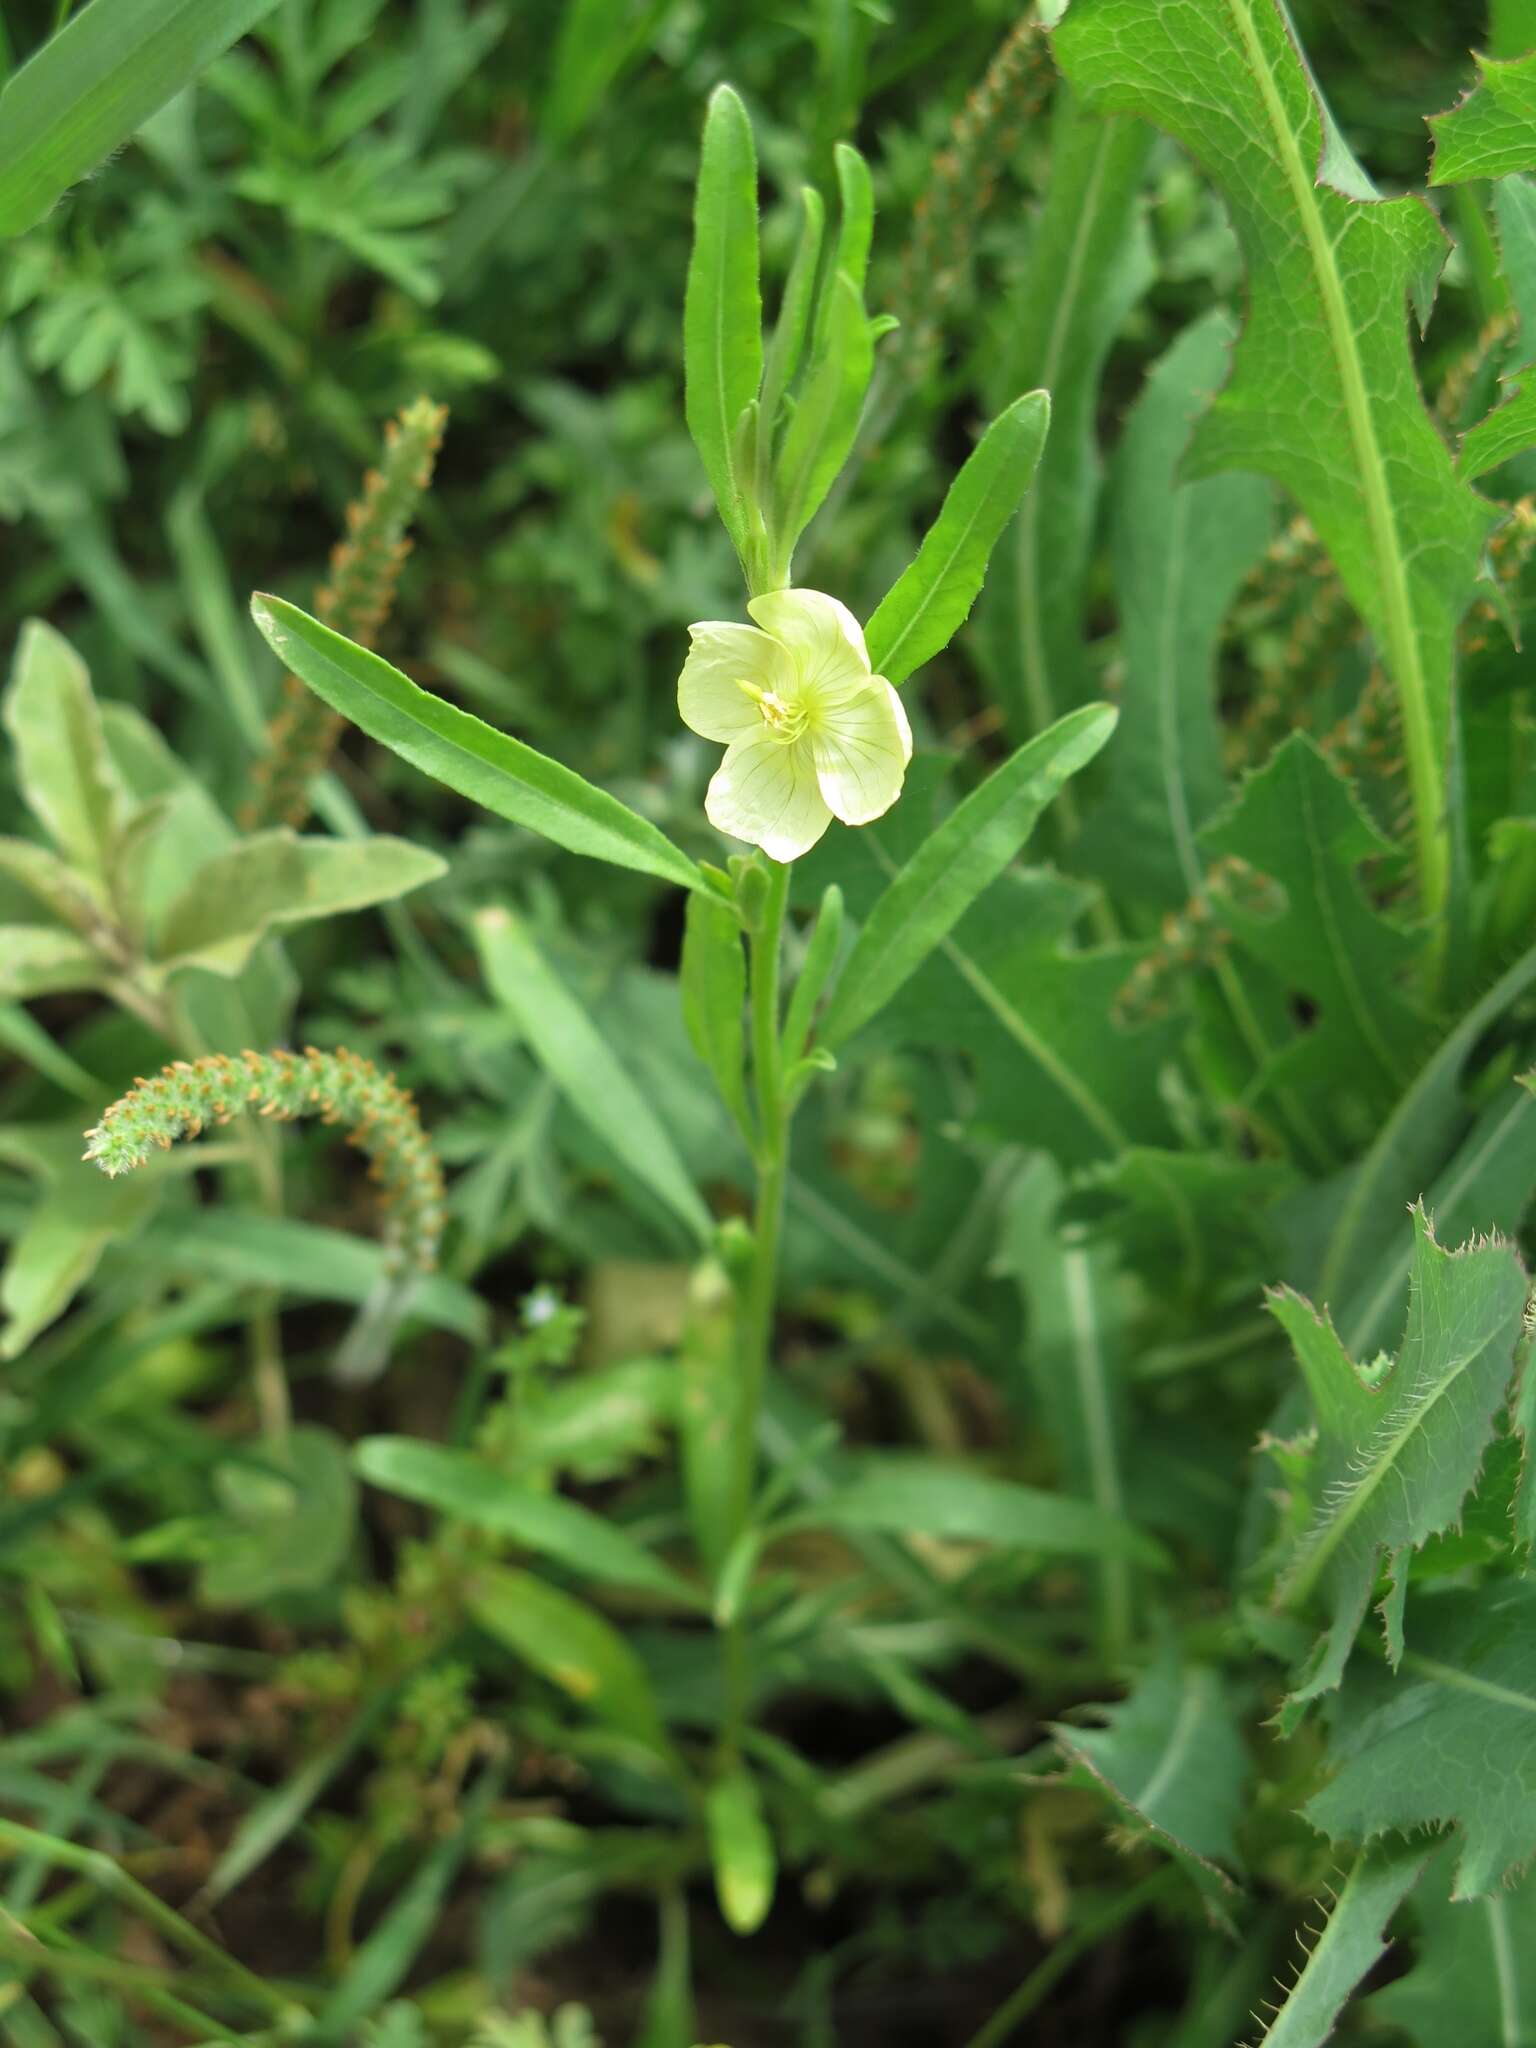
(1298,821)
(1493,130)
(929,601)
(1450,1740)
(713,986)
(276,879)
(1089,263)
(955,864)
(723,312)
(62,763)
(1171,1757)
(1509,430)
(285,1529)
(1413,1145)
(1323,395)
(1398,1450)
(1484,1186)
(92,85)
(1525,1422)
(1053,1067)
(1514,211)
(919,1496)
(78,1215)
(490,768)
(41,960)
(1348,1946)
(1474,1971)
(467,1489)
(1191,1222)
(1180,550)
(741,1849)
(568,1045)
(571,1644)
(1074,1356)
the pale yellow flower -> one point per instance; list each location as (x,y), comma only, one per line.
(809,733)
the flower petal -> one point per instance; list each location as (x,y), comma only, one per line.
(721,657)
(767,792)
(861,758)
(823,636)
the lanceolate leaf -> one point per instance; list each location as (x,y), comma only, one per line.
(66,774)
(723,315)
(952,867)
(1323,395)
(1180,550)
(1347,1947)
(96,82)
(1451,1739)
(713,985)
(1493,131)
(487,766)
(922,611)
(1398,1450)
(1088,265)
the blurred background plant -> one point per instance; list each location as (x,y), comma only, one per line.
(307,1740)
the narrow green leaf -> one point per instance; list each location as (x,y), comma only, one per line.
(62,763)
(572,1645)
(275,880)
(1493,130)
(1349,1946)
(490,768)
(713,980)
(925,607)
(952,867)
(816,971)
(97,81)
(821,432)
(793,324)
(466,1489)
(567,1044)
(741,1849)
(723,311)
(917,1496)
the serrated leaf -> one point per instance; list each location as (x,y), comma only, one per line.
(276,879)
(960,859)
(1493,130)
(1399,1450)
(1089,263)
(1171,1757)
(1347,1948)
(1323,395)
(1190,1222)
(1180,550)
(465,1488)
(1473,1976)
(925,607)
(1450,1740)
(489,767)
(62,763)
(1509,430)
(723,312)
(1298,821)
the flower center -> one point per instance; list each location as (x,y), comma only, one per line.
(785,720)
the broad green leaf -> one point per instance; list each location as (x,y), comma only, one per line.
(918,1496)
(571,1644)
(1074,1359)
(1323,394)
(1525,1413)
(78,1215)
(1399,1447)
(1451,1740)
(276,879)
(954,865)
(723,311)
(1348,1946)
(1493,130)
(43,878)
(490,768)
(1298,821)
(1089,263)
(741,1849)
(1171,1758)
(1180,551)
(40,960)
(921,612)
(62,764)
(1509,430)
(286,1530)
(713,986)
(568,1046)
(467,1489)
(98,80)
(1474,1971)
